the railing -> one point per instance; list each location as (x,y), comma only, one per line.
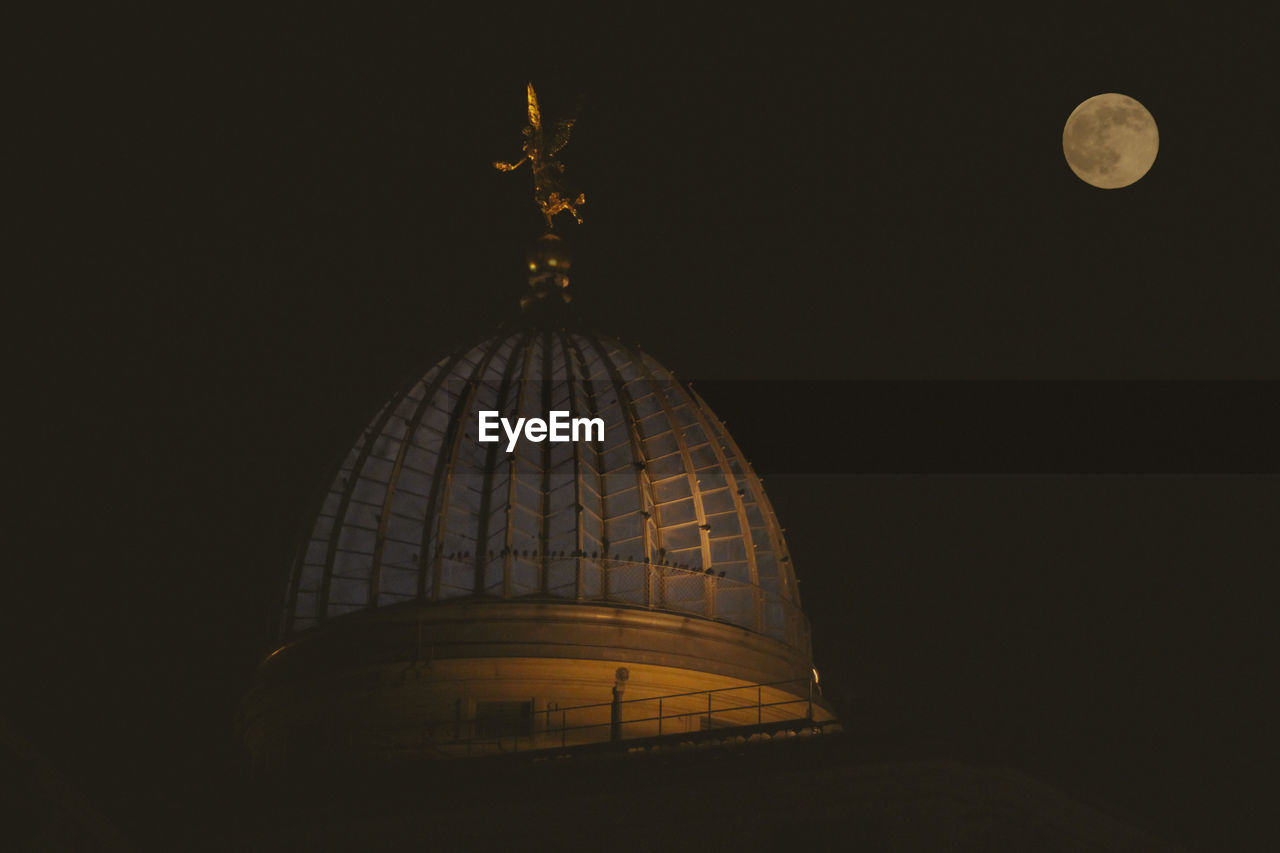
(626,721)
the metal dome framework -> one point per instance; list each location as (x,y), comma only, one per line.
(665,513)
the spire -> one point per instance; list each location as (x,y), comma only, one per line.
(548,257)
(549,263)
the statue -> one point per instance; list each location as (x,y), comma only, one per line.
(540,148)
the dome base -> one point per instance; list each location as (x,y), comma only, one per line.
(471,678)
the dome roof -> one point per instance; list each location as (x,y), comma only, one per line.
(665,513)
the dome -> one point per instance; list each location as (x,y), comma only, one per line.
(457,594)
(661,512)
(469,584)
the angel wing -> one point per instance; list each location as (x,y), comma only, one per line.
(559,136)
(535,115)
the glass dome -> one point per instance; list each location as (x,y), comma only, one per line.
(664,513)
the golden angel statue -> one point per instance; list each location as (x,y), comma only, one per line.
(540,147)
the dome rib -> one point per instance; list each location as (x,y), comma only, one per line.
(774,529)
(578,449)
(735,490)
(548,509)
(351,482)
(691,477)
(446,483)
(411,428)
(490,467)
(576,356)
(630,421)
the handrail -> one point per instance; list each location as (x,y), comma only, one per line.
(541,739)
(682,695)
(500,739)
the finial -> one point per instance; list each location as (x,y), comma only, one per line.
(548,273)
(540,149)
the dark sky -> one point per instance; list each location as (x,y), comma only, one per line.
(236,235)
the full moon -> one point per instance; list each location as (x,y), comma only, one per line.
(1110,141)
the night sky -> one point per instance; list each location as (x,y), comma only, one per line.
(236,236)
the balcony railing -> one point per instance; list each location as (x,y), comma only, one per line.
(627,723)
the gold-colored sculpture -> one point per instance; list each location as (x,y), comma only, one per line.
(540,148)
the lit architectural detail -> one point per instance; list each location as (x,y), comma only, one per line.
(451,598)
(665,513)
(451,595)
(540,148)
